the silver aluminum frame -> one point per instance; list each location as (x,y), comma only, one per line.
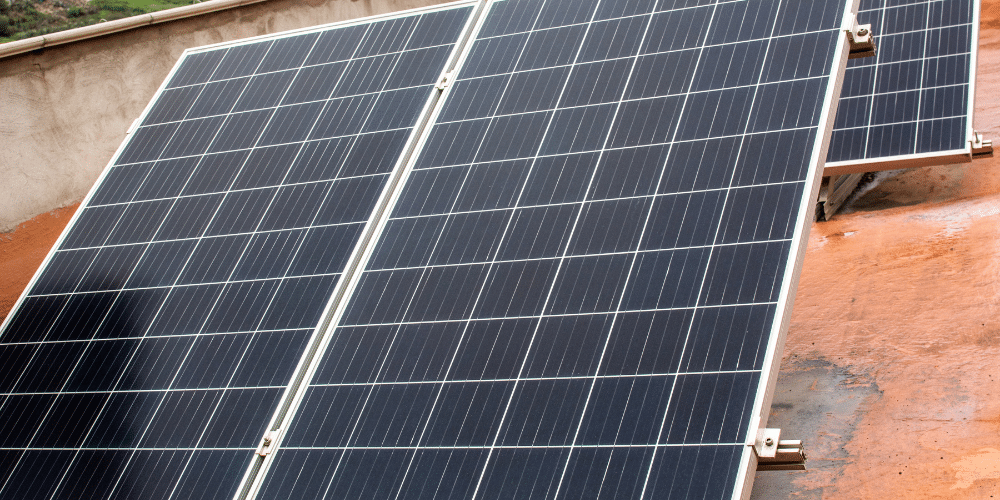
(793,267)
(949,157)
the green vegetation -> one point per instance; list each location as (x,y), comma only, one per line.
(27,18)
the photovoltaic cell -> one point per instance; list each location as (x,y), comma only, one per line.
(150,352)
(915,96)
(579,281)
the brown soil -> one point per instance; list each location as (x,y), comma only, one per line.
(58,8)
(23,249)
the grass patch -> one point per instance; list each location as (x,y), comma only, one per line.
(22,19)
(154,5)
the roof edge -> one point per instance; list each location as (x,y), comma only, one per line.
(106,28)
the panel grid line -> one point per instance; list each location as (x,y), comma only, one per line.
(307,141)
(429,322)
(559,315)
(534,379)
(595,200)
(620,148)
(928,58)
(150,337)
(576,255)
(624,101)
(634,16)
(625,58)
(309,66)
(616,148)
(188,285)
(243,190)
(461,212)
(878,62)
(143,391)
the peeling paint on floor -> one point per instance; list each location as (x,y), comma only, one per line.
(825,402)
(984,465)
(909,305)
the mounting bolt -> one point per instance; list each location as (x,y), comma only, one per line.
(769,442)
(862,32)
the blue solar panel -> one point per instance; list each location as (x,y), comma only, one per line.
(563,273)
(151,351)
(912,102)
(580,287)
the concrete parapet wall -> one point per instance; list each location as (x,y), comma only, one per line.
(65,109)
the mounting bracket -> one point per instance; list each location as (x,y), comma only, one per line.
(775,454)
(862,40)
(267,445)
(980,148)
(445,81)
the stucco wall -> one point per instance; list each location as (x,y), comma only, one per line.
(66,109)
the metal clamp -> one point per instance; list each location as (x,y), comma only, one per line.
(267,445)
(862,40)
(445,81)
(979,147)
(776,454)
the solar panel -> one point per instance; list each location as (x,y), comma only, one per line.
(911,104)
(153,347)
(582,284)
(573,282)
